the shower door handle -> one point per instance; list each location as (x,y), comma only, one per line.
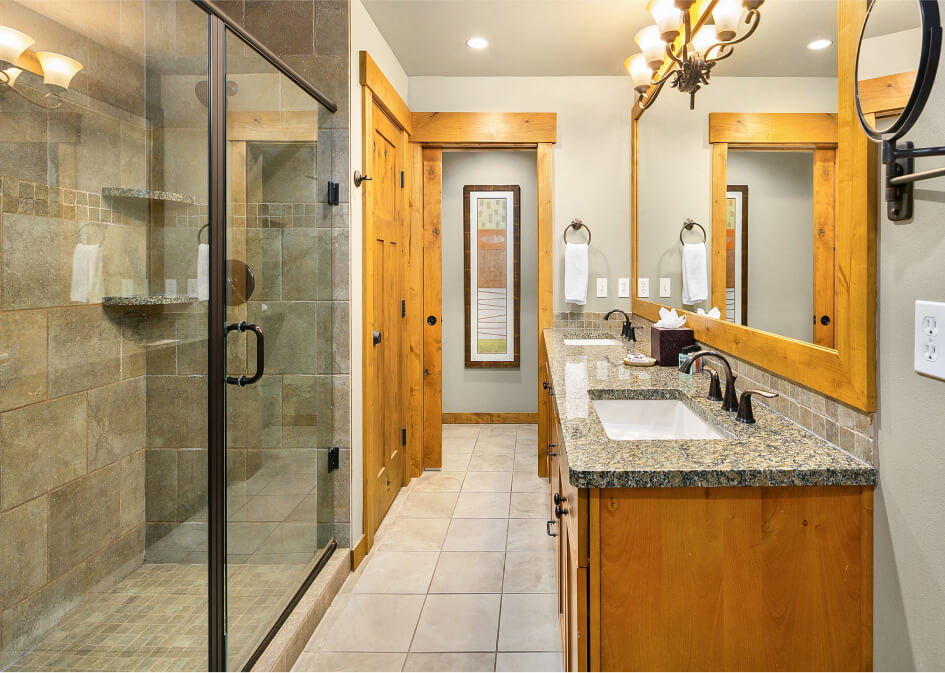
(241,380)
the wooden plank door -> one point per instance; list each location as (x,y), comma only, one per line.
(388,258)
(432,309)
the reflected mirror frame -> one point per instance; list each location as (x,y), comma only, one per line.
(925,74)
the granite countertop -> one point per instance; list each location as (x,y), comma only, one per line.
(772,452)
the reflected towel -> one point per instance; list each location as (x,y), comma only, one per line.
(203,272)
(575,387)
(575,273)
(87,284)
(695,280)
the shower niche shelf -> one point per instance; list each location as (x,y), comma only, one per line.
(147,194)
(148,300)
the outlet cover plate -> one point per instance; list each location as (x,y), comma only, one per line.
(930,338)
(643,287)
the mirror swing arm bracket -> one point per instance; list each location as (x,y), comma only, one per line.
(899,160)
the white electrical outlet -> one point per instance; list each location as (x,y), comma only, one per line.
(623,287)
(665,287)
(643,287)
(929,341)
(601,287)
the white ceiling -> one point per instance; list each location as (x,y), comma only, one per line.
(583,37)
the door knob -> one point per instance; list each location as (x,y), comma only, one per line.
(431,320)
(426,372)
(358,178)
(377,337)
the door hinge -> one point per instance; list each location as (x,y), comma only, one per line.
(403,308)
(403,436)
(333,193)
(401,179)
(334,462)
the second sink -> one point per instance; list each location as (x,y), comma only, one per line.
(629,420)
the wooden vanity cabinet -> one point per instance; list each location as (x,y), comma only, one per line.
(748,578)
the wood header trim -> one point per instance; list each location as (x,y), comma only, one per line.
(472,128)
(385,95)
(766,128)
(886,95)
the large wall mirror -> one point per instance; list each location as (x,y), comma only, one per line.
(774,167)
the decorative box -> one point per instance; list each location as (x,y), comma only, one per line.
(665,344)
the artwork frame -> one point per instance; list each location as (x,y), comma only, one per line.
(493,321)
(736,248)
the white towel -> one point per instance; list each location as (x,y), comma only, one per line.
(203,272)
(695,281)
(575,273)
(87,284)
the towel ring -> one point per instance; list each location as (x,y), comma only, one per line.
(200,232)
(577,224)
(687,226)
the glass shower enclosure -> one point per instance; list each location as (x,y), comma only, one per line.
(166,339)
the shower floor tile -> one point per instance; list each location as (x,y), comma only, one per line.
(156,620)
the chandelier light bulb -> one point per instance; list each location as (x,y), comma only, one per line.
(668,18)
(12,44)
(652,45)
(704,39)
(58,70)
(640,73)
(726,15)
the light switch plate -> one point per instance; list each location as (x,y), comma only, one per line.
(643,287)
(623,287)
(601,287)
(930,338)
(665,287)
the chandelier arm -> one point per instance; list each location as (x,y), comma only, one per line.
(644,105)
(672,56)
(753,17)
(6,86)
(662,80)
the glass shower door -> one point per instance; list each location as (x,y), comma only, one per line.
(279,350)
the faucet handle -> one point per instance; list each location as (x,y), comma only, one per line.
(715,387)
(631,331)
(745,414)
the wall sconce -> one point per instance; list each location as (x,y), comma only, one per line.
(57,70)
(691,62)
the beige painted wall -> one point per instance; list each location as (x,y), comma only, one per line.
(591,166)
(364,36)
(481,390)
(674,149)
(909,534)
(780,239)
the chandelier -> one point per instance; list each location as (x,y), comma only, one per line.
(682,53)
(57,70)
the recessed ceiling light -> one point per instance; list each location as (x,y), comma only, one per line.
(817,45)
(477,43)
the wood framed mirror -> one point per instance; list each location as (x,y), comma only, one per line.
(768,107)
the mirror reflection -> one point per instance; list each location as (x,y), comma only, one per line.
(754,164)
(888,59)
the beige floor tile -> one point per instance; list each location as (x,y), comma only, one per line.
(529,572)
(525,461)
(477,535)
(528,535)
(487,482)
(450,661)
(490,462)
(501,444)
(498,428)
(349,661)
(482,506)
(420,505)
(397,572)
(374,623)
(439,482)
(529,623)
(528,482)
(413,535)
(455,462)
(526,444)
(461,430)
(511,662)
(458,623)
(458,444)
(530,506)
(469,572)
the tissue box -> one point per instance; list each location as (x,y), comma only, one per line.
(665,344)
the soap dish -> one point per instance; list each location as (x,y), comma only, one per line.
(640,361)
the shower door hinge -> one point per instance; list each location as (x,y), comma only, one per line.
(334,462)
(403,436)
(401,179)
(403,308)
(333,197)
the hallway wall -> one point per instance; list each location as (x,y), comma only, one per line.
(483,390)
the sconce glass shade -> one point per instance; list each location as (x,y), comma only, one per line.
(652,45)
(58,70)
(12,74)
(13,43)
(640,73)
(668,18)
(726,15)
(704,39)
(753,4)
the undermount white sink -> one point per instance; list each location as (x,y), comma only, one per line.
(652,419)
(591,342)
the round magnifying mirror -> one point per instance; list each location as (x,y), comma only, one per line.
(896,63)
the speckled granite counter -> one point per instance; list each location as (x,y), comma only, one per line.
(773,452)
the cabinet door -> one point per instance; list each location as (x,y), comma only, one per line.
(564,599)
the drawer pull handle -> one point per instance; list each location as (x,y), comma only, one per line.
(548,525)
(549,451)
(560,511)
(559,499)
